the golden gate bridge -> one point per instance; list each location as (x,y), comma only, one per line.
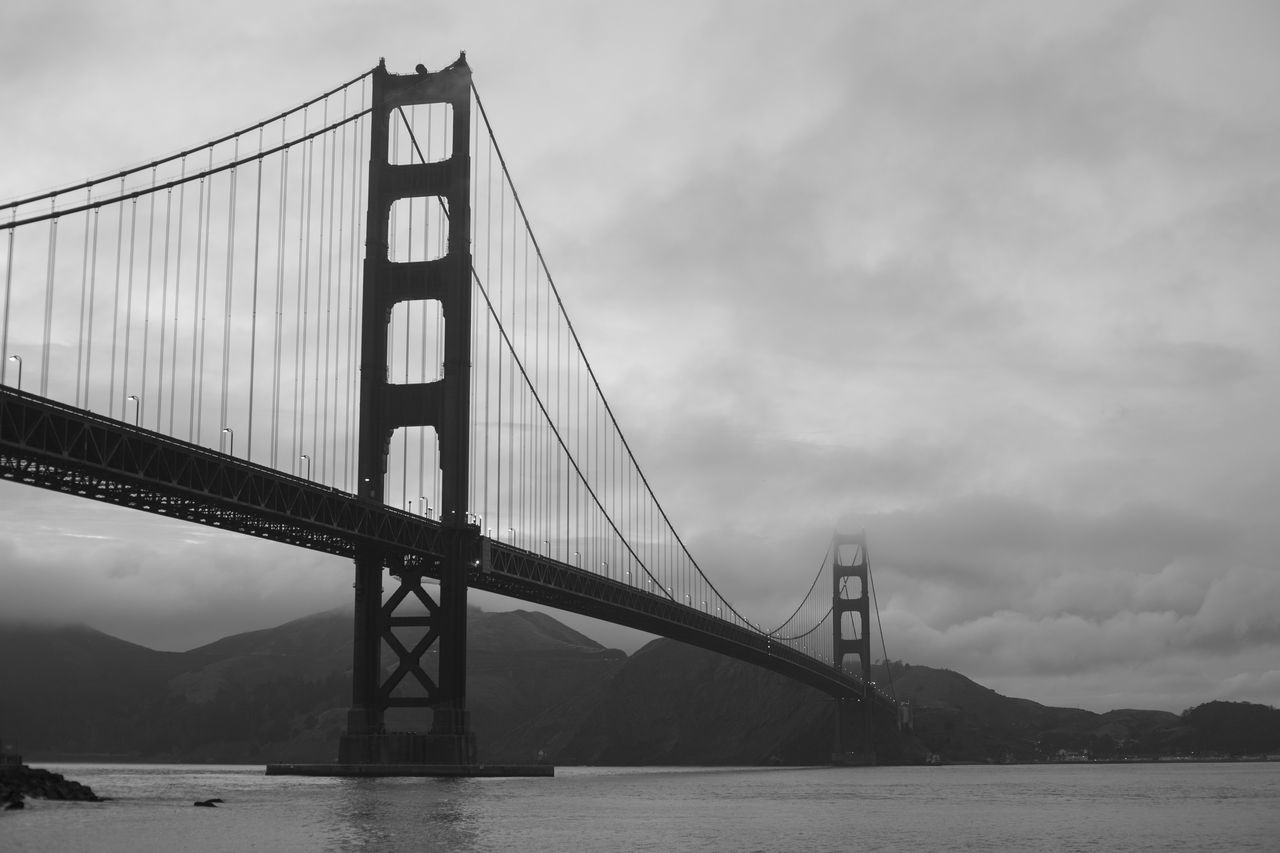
(336,329)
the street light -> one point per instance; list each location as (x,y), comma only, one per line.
(231,440)
(137,411)
(307,459)
(18,359)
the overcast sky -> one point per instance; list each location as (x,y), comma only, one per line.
(995,282)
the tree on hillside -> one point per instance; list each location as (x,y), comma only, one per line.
(1234,728)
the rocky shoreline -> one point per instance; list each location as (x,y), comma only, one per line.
(17,782)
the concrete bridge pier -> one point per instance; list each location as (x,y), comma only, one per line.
(854,739)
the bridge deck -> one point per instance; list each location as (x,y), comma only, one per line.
(54,446)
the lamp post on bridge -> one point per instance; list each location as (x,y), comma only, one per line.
(307,459)
(18,359)
(137,408)
(231,440)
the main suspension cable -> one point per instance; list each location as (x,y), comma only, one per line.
(595,381)
(92,182)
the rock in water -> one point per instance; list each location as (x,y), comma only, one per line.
(19,782)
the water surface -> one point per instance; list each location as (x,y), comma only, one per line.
(1165,807)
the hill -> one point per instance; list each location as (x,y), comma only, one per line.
(278,694)
(76,687)
(539,690)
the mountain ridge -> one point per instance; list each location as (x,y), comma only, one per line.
(538,691)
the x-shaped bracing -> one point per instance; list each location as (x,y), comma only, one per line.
(409,660)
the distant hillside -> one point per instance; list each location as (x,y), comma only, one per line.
(673,704)
(77,687)
(676,704)
(1233,728)
(960,720)
(279,694)
(539,690)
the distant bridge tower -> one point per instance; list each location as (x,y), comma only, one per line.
(849,562)
(384,407)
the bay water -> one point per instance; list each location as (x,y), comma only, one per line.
(1164,806)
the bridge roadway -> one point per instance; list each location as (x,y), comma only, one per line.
(63,448)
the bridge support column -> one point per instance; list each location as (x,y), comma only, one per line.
(452,739)
(435,625)
(853,742)
(386,406)
(365,717)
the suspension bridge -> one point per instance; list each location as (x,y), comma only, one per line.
(336,329)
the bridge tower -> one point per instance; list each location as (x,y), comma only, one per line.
(849,562)
(384,407)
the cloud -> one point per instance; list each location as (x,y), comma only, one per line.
(1021,594)
(159,582)
(994,283)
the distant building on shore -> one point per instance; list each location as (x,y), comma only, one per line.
(8,758)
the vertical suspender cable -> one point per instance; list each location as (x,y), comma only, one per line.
(115,311)
(128,309)
(143,397)
(229,288)
(300,338)
(524,435)
(93,279)
(253,323)
(317,415)
(177,296)
(502,249)
(332,414)
(84,282)
(353,313)
(8,289)
(488,368)
(202,308)
(164,301)
(280,265)
(322,350)
(48,305)
(408,341)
